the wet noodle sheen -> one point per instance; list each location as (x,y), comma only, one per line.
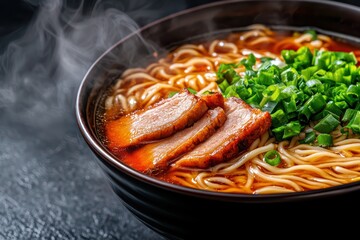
(303,167)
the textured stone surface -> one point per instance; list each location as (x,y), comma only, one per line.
(54,190)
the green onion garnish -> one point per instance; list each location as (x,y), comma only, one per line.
(354,123)
(320,86)
(272,157)
(171,94)
(193,91)
(327,124)
(349,114)
(324,140)
(310,137)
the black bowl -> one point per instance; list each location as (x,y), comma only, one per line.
(179,212)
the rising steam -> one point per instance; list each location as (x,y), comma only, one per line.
(44,67)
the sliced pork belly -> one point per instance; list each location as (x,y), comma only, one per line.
(213,100)
(244,124)
(155,122)
(155,157)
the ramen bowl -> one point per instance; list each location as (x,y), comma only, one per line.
(178,212)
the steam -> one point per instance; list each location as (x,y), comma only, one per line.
(42,70)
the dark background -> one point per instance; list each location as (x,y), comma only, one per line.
(50,185)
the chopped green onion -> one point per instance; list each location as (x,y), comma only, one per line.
(309,138)
(272,158)
(332,108)
(312,86)
(324,140)
(349,114)
(231,92)
(193,91)
(208,92)
(171,94)
(290,104)
(301,58)
(354,123)
(278,118)
(288,130)
(223,85)
(342,104)
(316,103)
(357,107)
(353,91)
(265,59)
(327,124)
(249,62)
(312,106)
(312,33)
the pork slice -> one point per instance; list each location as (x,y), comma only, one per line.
(213,100)
(154,158)
(155,122)
(244,124)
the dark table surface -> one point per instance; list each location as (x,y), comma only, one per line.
(51,187)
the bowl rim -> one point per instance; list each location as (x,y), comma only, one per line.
(94,144)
